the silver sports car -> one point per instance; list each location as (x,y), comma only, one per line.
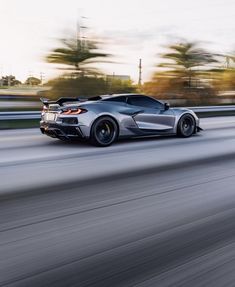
(104,119)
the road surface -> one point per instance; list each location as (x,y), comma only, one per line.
(153,212)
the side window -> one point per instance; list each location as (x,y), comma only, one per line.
(117,99)
(145,102)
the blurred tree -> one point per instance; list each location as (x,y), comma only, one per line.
(224,79)
(77,55)
(185,75)
(185,59)
(86,86)
(81,78)
(228,80)
(164,84)
(32,81)
(9,81)
(115,86)
(82,86)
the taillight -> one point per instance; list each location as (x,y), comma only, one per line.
(44,109)
(73,111)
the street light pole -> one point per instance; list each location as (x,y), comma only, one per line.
(140,73)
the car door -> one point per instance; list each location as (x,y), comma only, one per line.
(152,117)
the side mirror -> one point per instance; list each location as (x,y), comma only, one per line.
(166,106)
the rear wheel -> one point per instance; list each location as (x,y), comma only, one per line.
(186,126)
(104,132)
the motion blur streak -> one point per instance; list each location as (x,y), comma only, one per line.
(168,222)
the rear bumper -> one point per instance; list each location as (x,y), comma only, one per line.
(61,131)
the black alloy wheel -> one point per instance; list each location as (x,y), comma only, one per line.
(104,132)
(186,126)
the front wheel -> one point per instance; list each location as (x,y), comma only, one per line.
(186,126)
(104,132)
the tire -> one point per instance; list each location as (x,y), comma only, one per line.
(104,132)
(186,126)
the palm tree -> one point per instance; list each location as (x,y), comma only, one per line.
(185,59)
(77,55)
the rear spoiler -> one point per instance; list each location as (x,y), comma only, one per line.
(60,101)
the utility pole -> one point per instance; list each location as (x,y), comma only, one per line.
(140,73)
(227,62)
(30,78)
(78,43)
(1,79)
(41,78)
(81,39)
(78,34)
(83,27)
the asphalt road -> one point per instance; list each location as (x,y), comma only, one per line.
(153,212)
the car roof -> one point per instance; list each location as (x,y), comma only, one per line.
(120,95)
(105,97)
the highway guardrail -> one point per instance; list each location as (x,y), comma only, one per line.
(202,110)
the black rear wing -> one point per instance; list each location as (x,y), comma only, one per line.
(60,101)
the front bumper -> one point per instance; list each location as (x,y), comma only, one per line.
(63,132)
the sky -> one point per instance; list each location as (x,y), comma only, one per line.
(129,29)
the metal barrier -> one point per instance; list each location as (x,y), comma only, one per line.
(29,115)
(34,115)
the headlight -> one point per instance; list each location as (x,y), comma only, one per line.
(73,111)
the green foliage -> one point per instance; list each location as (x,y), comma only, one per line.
(9,81)
(77,56)
(225,80)
(186,75)
(185,56)
(32,81)
(81,77)
(185,60)
(86,87)
(117,86)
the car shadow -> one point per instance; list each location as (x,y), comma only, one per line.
(78,143)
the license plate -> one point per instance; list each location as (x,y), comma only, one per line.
(50,117)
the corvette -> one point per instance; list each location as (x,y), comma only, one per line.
(104,119)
